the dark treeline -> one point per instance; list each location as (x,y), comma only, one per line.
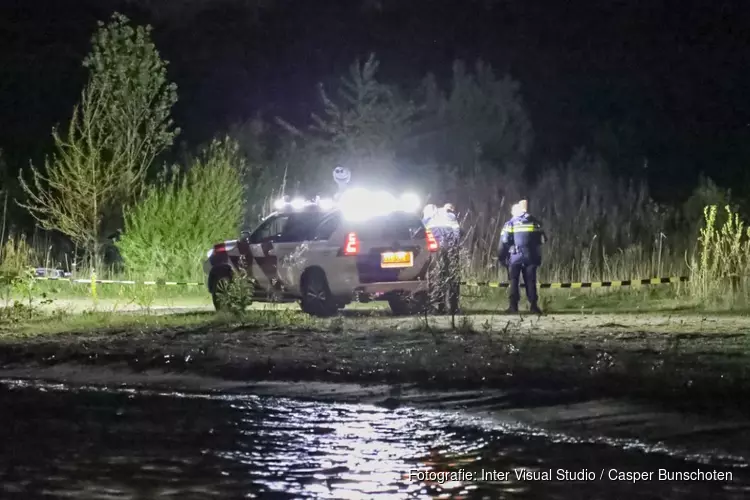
(634,81)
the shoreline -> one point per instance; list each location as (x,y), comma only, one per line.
(695,363)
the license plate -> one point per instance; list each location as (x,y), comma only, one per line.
(396,259)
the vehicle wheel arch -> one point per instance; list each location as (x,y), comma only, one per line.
(218,273)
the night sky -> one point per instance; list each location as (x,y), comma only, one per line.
(670,80)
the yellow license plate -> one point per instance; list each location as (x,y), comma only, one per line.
(397,259)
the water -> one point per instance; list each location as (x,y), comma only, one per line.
(62,442)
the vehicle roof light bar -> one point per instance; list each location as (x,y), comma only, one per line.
(356,203)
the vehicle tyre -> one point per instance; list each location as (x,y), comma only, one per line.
(399,305)
(406,305)
(316,295)
(219,287)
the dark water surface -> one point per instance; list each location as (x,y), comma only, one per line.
(63,442)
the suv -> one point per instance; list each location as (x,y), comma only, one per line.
(325,261)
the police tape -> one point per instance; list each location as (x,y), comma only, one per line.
(490,284)
(121,282)
(590,284)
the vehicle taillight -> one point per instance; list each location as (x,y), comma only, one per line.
(352,244)
(220,248)
(432,244)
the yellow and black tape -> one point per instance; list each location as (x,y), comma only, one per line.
(591,284)
(490,284)
(123,282)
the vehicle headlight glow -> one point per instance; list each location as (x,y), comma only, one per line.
(279,204)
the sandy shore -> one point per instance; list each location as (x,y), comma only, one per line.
(691,360)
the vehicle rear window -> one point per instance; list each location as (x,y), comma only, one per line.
(301,226)
(327,227)
(396,226)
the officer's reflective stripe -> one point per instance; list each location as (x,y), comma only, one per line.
(522,228)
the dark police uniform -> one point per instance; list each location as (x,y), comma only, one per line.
(521,252)
(447,231)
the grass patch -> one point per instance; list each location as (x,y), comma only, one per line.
(39,322)
(101,321)
(63,289)
(636,300)
(639,299)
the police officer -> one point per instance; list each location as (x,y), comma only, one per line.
(520,252)
(445,228)
(428,213)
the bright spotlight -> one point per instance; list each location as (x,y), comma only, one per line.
(356,203)
(279,204)
(298,203)
(386,199)
(325,203)
(409,202)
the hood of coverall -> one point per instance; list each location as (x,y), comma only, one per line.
(519,208)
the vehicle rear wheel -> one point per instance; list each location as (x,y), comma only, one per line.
(219,291)
(405,304)
(316,295)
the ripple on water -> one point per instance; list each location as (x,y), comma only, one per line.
(125,443)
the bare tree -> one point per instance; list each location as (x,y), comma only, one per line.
(78,186)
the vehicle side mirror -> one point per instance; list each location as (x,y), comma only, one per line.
(245,235)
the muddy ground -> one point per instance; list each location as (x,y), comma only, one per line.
(691,362)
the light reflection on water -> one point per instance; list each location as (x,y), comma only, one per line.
(91,443)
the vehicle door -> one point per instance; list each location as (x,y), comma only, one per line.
(323,250)
(261,254)
(295,248)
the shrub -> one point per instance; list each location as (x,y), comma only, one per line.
(15,262)
(237,295)
(167,234)
(721,262)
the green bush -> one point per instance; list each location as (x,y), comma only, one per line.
(167,234)
(236,295)
(721,268)
(15,261)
